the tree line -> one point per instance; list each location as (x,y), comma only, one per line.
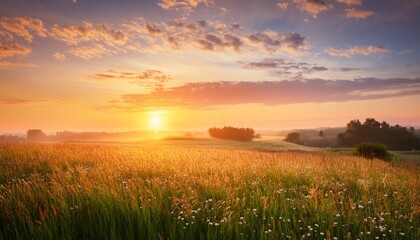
(370,131)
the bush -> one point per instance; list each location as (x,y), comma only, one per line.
(293,137)
(372,150)
(232,133)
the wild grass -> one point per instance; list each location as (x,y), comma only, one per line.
(121,191)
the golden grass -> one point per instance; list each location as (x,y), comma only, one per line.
(122,191)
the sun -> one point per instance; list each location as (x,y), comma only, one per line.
(155,121)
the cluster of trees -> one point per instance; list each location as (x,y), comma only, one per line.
(394,137)
(293,137)
(232,133)
(37,135)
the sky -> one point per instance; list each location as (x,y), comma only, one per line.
(102,65)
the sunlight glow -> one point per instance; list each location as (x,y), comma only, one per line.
(155,121)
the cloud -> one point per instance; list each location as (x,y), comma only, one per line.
(59,56)
(89,40)
(88,52)
(5,36)
(8,65)
(358,50)
(318,69)
(12,49)
(215,36)
(87,32)
(272,41)
(350,2)
(311,6)
(212,42)
(183,4)
(23,26)
(150,78)
(283,5)
(346,69)
(14,101)
(210,94)
(358,14)
(278,66)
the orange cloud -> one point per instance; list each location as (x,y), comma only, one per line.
(88,52)
(150,78)
(208,36)
(9,50)
(358,50)
(283,5)
(74,35)
(59,56)
(210,94)
(350,2)
(357,13)
(14,101)
(312,6)
(183,4)
(21,26)
(5,36)
(8,65)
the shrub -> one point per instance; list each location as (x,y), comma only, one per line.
(372,150)
(232,133)
(293,137)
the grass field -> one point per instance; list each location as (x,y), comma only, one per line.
(202,190)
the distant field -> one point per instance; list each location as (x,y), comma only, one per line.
(183,189)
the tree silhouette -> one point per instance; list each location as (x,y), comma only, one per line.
(232,133)
(36,135)
(395,137)
(293,137)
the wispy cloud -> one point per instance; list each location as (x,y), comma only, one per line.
(14,101)
(23,27)
(283,5)
(150,79)
(271,41)
(87,32)
(59,56)
(350,2)
(278,66)
(211,94)
(313,7)
(216,36)
(183,4)
(88,52)
(358,14)
(8,65)
(156,37)
(346,69)
(358,50)
(12,49)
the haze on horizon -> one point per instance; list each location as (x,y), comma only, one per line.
(192,64)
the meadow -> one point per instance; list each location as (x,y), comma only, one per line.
(193,191)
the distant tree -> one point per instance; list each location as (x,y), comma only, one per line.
(395,137)
(293,137)
(321,134)
(36,135)
(232,133)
